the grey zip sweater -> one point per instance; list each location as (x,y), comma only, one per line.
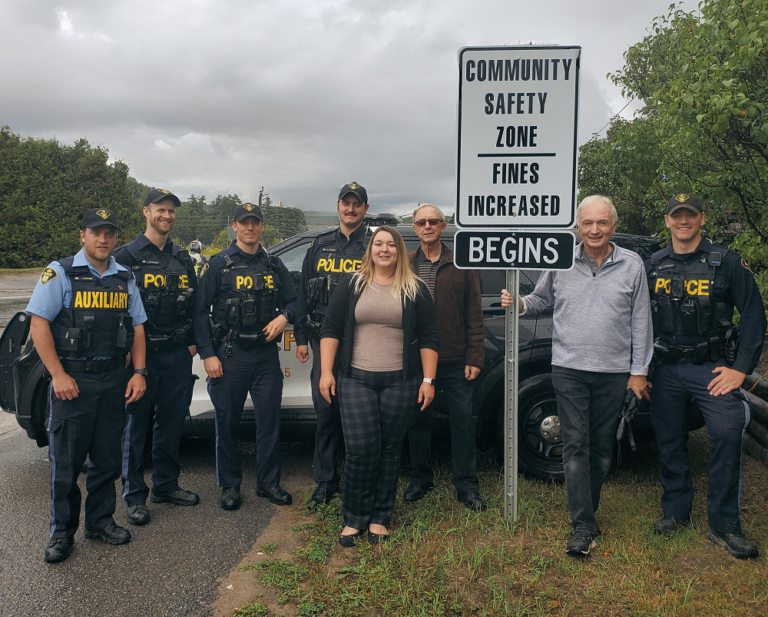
(602,316)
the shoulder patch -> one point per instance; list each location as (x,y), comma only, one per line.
(746,265)
(48,275)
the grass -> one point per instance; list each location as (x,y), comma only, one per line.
(443,560)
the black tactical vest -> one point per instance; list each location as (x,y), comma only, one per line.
(683,295)
(97,323)
(329,263)
(167,291)
(249,295)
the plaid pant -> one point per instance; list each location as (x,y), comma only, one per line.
(376,411)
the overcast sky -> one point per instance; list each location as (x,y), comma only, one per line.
(300,96)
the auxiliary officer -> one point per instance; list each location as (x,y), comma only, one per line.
(694,287)
(165,276)
(329,256)
(86,316)
(253,299)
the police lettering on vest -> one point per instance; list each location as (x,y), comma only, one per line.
(97,323)
(167,291)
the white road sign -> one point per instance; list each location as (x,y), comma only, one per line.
(517,129)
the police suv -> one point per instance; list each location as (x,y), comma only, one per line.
(24,387)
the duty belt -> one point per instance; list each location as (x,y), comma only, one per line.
(93,366)
(707,351)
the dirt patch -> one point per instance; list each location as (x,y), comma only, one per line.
(240,586)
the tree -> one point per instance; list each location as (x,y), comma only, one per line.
(221,241)
(703,79)
(46,187)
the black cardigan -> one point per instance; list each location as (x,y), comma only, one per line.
(419,326)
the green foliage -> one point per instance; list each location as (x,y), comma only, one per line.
(703,77)
(309,609)
(257,609)
(221,241)
(269,549)
(46,187)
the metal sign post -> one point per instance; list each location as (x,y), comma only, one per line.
(511,322)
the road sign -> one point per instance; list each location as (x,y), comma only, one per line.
(517,131)
(504,249)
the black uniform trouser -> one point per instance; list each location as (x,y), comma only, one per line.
(376,411)
(588,405)
(255,371)
(458,396)
(169,389)
(328,435)
(726,418)
(90,425)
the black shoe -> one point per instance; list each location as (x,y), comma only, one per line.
(58,549)
(349,541)
(276,495)
(415,492)
(322,494)
(230,498)
(138,514)
(471,499)
(111,534)
(736,544)
(377,538)
(669,524)
(179,497)
(582,541)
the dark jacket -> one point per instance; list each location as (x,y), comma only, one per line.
(419,327)
(459,309)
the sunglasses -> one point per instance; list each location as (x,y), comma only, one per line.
(432,222)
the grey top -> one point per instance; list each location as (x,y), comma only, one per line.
(602,315)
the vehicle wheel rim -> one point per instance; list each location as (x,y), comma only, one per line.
(542,433)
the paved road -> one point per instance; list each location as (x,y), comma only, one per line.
(171,566)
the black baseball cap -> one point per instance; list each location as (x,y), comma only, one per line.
(98,217)
(246,210)
(357,190)
(683,200)
(156,195)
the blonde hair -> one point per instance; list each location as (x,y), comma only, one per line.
(406,283)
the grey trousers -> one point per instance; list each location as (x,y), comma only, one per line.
(588,404)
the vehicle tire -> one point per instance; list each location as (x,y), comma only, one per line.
(540,443)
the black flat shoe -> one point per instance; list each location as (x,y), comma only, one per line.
(377,538)
(58,549)
(349,540)
(277,495)
(179,497)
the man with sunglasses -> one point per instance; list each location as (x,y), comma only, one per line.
(462,353)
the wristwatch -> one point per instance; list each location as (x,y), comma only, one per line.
(141,371)
(429,380)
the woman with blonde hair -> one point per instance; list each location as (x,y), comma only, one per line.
(380,329)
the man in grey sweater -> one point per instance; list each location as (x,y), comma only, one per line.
(602,344)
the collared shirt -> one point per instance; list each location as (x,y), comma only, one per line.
(592,262)
(210,285)
(55,294)
(166,254)
(427,270)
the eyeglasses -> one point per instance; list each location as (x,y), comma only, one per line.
(432,222)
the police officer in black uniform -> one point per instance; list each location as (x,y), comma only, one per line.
(253,299)
(328,258)
(694,287)
(86,316)
(166,278)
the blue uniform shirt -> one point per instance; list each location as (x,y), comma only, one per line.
(55,292)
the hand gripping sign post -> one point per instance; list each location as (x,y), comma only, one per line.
(516,182)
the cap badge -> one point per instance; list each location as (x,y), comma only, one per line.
(163,191)
(105,214)
(681,197)
(248,207)
(354,186)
